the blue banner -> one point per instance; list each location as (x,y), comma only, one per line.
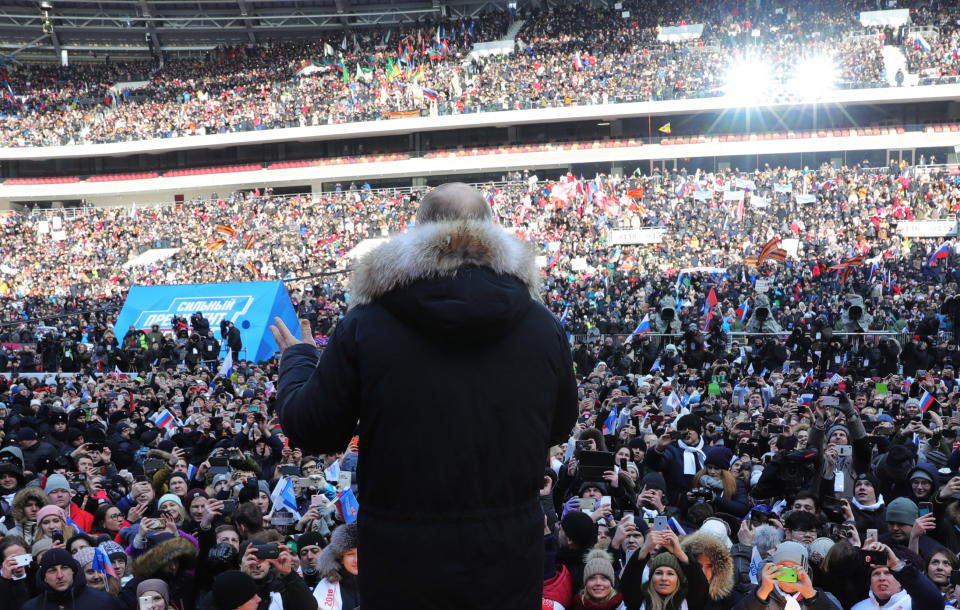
(251,306)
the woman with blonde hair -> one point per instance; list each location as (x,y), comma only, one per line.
(676,581)
(96,576)
(52,525)
(599,591)
(730,492)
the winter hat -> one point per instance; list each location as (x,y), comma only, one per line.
(871,478)
(819,548)
(790,551)
(55,482)
(231,589)
(668,559)
(344,538)
(902,510)
(192,495)
(718,529)
(690,422)
(580,529)
(170,498)
(41,545)
(920,473)
(26,434)
(85,555)
(595,484)
(654,480)
(718,456)
(57,557)
(310,538)
(149,436)
(896,463)
(836,427)
(112,549)
(220,478)
(599,562)
(50,509)
(157,586)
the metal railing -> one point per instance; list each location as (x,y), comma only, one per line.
(620,338)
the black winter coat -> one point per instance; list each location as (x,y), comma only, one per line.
(460,382)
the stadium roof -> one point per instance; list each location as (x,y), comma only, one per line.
(42,28)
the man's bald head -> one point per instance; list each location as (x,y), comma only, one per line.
(453,201)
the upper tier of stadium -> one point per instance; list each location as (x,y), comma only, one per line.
(577,55)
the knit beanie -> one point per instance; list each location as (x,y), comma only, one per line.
(55,482)
(902,510)
(599,562)
(170,498)
(231,589)
(836,427)
(85,555)
(580,529)
(57,557)
(157,586)
(667,559)
(718,456)
(50,509)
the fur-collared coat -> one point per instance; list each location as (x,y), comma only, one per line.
(150,565)
(720,586)
(461,380)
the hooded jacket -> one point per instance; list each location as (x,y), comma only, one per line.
(720,586)
(461,380)
(151,565)
(27,529)
(78,597)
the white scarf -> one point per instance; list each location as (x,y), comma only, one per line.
(328,595)
(693,457)
(276,601)
(868,507)
(790,599)
(899,601)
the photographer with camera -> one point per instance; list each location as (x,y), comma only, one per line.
(716,485)
(270,565)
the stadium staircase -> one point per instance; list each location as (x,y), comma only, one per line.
(514,29)
(893,60)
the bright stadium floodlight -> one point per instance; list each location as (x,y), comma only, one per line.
(748,80)
(813,77)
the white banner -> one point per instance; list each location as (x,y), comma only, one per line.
(927,228)
(679,33)
(733,196)
(894,18)
(791,246)
(636,236)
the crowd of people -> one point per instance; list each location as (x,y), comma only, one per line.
(750,432)
(563,56)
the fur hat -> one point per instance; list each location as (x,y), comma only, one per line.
(343,539)
(702,543)
(599,562)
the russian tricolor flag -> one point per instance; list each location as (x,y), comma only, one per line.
(162,419)
(941,252)
(643,326)
(926,401)
(806,399)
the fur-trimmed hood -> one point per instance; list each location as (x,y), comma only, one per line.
(25,495)
(439,249)
(148,565)
(343,539)
(702,543)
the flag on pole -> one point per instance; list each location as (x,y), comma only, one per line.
(926,401)
(101,563)
(226,367)
(943,251)
(767,250)
(283,496)
(655,366)
(712,299)
(643,326)
(610,423)
(665,128)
